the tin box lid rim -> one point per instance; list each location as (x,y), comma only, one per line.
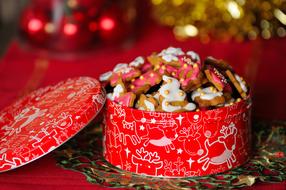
(84,98)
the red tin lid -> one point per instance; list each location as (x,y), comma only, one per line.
(45,119)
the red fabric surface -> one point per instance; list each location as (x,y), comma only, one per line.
(261,62)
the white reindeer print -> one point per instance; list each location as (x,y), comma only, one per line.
(27,116)
(161,135)
(226,142)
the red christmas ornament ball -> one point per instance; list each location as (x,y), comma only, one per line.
(32,25)
(67,25)
(112,25)
(73,35)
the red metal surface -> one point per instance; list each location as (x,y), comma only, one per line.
(45,119)
(177,144)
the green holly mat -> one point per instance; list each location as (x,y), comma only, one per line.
(268,164)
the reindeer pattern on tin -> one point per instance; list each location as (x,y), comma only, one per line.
(152,142)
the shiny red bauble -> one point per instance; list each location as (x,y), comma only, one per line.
(69,25)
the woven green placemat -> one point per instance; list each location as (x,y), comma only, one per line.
(268,164)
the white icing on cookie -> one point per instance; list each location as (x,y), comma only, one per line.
(169,91)
(126,70)
(122,68)
(190,107)
(171,54)
(174,51)
(119,67)
(169,108)
(157,96)
(116,92)
(170,57)
(149,105)
(206,94)
(173,88)
(138,61)
(241,83)
(105,76)
(194,56)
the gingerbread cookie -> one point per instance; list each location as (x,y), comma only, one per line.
(185,106)
(145,81)
(118,90)
(121,96)
(185,71)
(147,102)
(173,99)
(154,59)
(127,99)
(194,56)
(208,96)
(125,72)
(164,69)
(151,77)
(217,79)
(139,89)
(189,73)
(238,83)
(169,56)
(137,62)
(194,82)
(146,67)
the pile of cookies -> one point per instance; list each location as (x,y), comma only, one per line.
(174,81)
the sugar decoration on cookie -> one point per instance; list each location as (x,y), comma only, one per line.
(105,76)
(171,93)
(139,89)
(189,73)
(217,79)
(145,81)
(164,69)
(171,54)
(146,67)
(121,96)
(208,96)
(137,62)
(123,71)
(195,57)
(126,99)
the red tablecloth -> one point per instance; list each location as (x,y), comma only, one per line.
(261,62)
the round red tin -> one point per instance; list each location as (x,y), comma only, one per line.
(177,144)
